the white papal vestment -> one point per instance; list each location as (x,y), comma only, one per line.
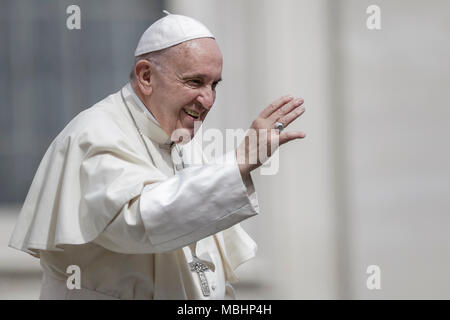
(111,201)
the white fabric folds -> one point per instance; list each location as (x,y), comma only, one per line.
(97,185)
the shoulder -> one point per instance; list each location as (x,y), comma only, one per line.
(104,124)
(105,119)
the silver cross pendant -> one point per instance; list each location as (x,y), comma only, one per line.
(200,268)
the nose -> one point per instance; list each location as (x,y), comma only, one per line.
(207,97)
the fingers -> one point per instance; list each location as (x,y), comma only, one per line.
(280,112)
(275,106)
(287,136)
(291,116)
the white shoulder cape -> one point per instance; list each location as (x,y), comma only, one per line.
(71,202)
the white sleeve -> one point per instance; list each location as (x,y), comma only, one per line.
(195,203)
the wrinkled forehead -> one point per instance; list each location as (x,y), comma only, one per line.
(199,55)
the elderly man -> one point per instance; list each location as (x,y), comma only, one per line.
(117,201)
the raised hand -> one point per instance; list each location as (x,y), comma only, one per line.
(263,139)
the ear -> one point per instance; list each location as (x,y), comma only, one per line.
(144,75)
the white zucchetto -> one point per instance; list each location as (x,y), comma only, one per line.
(170,30)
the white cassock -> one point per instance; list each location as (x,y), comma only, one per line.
(110,201)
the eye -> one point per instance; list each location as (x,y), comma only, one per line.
(195,82)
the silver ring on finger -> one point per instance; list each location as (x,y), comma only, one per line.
(279,126)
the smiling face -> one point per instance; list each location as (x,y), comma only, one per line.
(182,88)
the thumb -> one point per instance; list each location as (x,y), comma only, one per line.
(291,135)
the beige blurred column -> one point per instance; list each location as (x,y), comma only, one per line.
(393,85)
(272,48)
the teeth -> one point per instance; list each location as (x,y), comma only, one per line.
(192,113)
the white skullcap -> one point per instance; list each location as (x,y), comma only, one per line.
(169,31)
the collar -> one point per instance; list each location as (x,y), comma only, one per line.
(146,125)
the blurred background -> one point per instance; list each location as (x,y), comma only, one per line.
(370,185)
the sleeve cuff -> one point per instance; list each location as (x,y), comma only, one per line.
(196,203)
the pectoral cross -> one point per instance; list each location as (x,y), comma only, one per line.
(179,163)
(200,268)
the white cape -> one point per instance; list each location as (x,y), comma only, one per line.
(72,198)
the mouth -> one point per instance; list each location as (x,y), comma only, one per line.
(193,114)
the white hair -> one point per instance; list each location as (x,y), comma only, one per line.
(157,58)
(153,57)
